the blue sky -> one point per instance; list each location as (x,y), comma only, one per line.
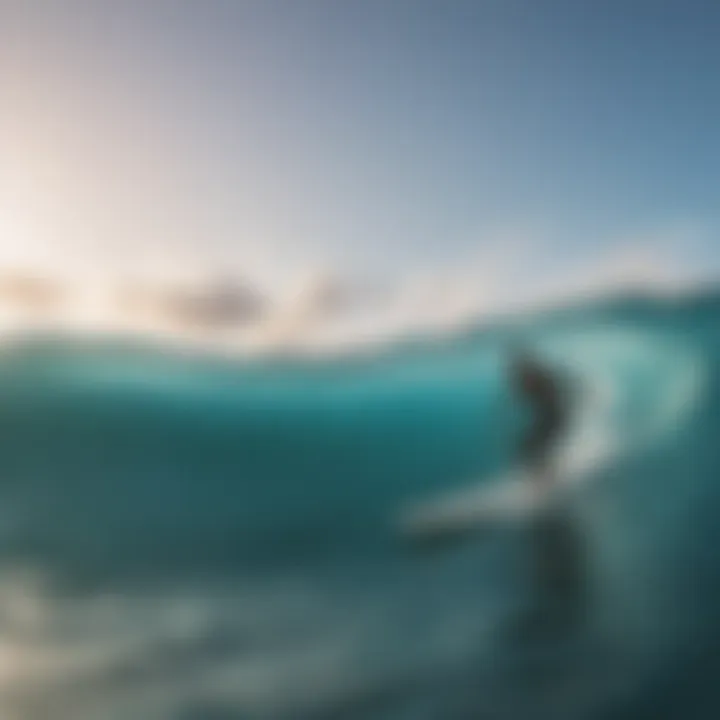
(372,136)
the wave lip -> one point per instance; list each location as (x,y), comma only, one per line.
(323,314)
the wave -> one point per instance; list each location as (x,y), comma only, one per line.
(203,537)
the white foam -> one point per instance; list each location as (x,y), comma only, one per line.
(299,648)
(331,313)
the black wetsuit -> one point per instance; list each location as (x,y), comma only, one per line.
(540,390)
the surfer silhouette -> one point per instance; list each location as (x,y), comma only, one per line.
(556,544)
(540,389)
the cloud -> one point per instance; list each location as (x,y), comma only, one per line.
(512,269)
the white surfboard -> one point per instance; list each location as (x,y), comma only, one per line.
(512,498)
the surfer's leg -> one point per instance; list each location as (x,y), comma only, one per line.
(532,448)
(536,452)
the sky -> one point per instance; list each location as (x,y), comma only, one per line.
(373,138)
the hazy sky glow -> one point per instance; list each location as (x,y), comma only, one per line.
(372,136)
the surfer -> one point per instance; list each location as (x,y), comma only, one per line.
(541,390)
(556,544)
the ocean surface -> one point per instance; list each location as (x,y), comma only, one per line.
(191,537)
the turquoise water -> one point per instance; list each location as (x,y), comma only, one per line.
(196,538)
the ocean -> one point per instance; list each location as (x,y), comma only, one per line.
(195,537)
